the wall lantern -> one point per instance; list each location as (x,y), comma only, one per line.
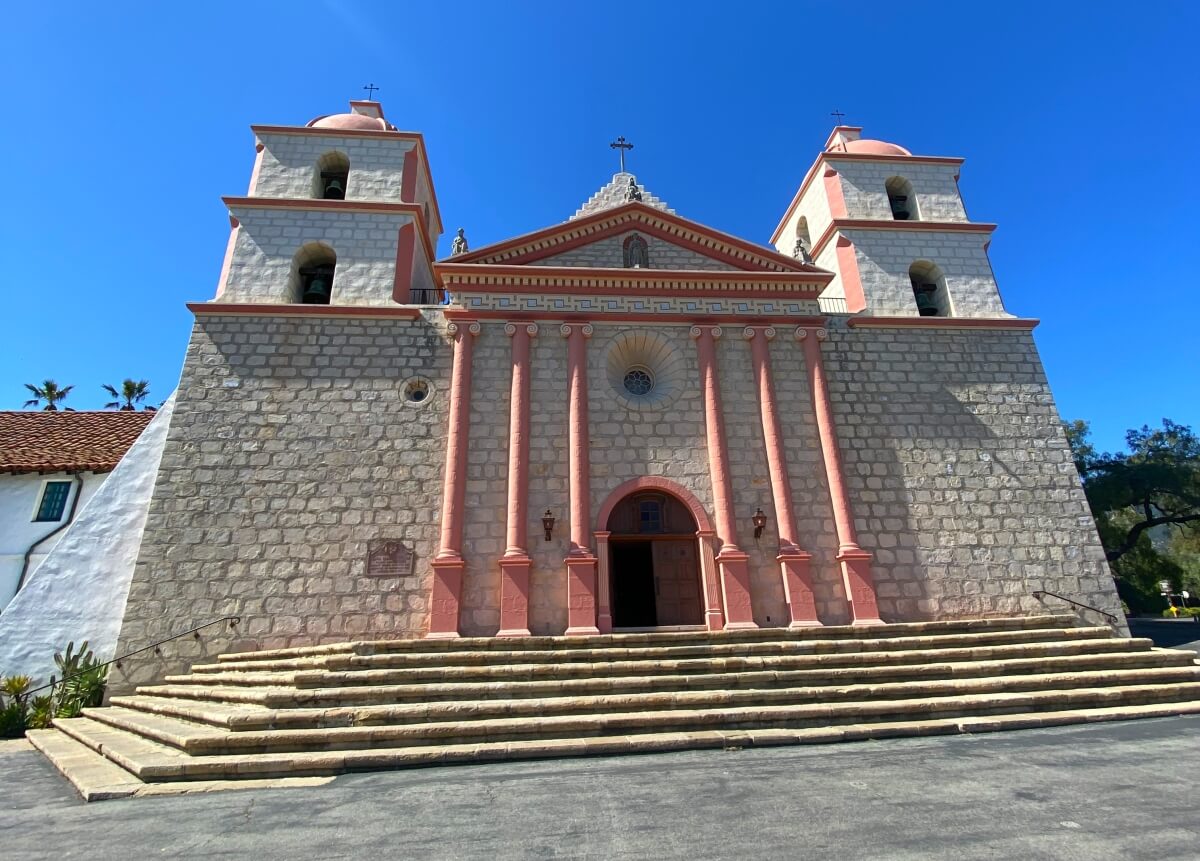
(548,523)
(760,523)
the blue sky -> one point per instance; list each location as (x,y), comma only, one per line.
(123,124)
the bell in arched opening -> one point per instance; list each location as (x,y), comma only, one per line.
(333,185)
(316,284)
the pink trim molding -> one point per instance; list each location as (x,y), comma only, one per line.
(406,241)
(795,563)
(653,482)
(833,193)
(448,565)
(735,572)
(847,261)
(854,561)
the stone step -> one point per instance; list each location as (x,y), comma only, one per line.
(1003,623)
(519,671)
(257,719)
(360,695)
(94,777)
(199,740)
(151,765)
(363,656)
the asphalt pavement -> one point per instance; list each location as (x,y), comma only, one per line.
(1105,791)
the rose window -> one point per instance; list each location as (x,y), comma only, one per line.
(638,381)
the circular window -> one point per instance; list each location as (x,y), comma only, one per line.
(416,391)
(638,381)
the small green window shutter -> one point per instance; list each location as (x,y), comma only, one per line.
(54,501)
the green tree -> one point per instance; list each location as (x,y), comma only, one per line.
(1146,502)
(49,392)
(132,392)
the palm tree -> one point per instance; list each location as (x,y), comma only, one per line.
(48,392)
(132,392)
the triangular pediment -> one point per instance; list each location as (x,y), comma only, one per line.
(600,241)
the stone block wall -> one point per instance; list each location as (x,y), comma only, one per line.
(960,476)
(263,265)
(884,257)
(291,447)
(288,165)
(934,185)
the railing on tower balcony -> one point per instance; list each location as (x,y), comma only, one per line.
(427,296)
(833,305)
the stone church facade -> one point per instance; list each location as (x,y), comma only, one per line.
(623,421)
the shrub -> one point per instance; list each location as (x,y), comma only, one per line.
(12,706)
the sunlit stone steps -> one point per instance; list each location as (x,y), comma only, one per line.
(385,704)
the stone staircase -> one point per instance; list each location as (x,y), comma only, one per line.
(389,704)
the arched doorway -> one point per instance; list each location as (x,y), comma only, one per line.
(654,562)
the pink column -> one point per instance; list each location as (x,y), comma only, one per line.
(515,564)
(448,564)
(794,563)
(854,561)
(581,564)
(735,573)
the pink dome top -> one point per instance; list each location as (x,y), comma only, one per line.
(351,121)
(874,147)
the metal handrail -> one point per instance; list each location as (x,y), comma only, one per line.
(1111,618)
(195,632)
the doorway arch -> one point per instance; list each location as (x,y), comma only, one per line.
(653,556)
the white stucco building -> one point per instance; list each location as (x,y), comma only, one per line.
(51,464)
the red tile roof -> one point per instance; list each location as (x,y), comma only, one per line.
(40,441)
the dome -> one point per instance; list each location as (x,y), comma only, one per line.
(351,121)
(874,147)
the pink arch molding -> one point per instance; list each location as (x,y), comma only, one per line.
(653,482)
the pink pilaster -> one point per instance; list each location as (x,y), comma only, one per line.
(603,599)
(515,565)
(735,573)
(581,564)
(448,565)
(794,562)
(854,561)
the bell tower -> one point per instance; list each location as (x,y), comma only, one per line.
(893,228)
(340,211)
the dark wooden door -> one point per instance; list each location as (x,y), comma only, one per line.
(677,583)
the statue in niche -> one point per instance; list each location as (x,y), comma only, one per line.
(800,252)
(637,253)
(460,243)
(633,192)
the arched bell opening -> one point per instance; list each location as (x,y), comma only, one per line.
(331,176)
(929,289)
(654,562)
(902,199)
(312,274)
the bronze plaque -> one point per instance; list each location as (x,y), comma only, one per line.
(387,558)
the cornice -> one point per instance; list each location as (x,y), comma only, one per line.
(414,210)
(475,278)
(883,224)
(262,309)
(1023,323)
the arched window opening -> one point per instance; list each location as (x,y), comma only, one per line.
(902,200)
(929,289)
(312,274)
(802,250)
(332,174)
